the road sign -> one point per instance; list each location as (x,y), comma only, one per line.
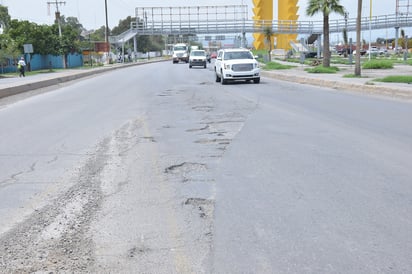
(28,48)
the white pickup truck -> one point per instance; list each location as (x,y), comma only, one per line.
(236,64)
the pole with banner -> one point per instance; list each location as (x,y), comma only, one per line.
(28,49)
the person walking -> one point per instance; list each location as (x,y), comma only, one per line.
(21,65)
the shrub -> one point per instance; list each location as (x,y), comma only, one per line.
(378,64)
(353,76)
(396,79)
(275,65)
(322,69)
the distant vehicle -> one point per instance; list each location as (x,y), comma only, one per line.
(194,48)
(362,52)
(343,50)
(197,58)
(236,64)
(382,51)
(373,51)
(213,55)
(208,57)
(311,54)
(180,53)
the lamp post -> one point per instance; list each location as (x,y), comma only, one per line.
(106,34)
(243,39)
(370,28)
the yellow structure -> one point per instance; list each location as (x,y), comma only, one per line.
(287,11)
(263,16)
(263,13)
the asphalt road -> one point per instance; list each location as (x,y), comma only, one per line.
(158,169)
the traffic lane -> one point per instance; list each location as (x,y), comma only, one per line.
(167,179)
(165,105)
(307,187)
(45,138)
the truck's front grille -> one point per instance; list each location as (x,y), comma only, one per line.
(242,67)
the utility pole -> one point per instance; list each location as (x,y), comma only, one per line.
(106,34)
(57,13)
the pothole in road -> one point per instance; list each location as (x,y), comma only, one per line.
(206,83)
(133,252)
(202,205)
(149,139)
(214,141)
(185,167)
(203,108)
(198,129)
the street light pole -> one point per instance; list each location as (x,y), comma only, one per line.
(106,34)
(370,28)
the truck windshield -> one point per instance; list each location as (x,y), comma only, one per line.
(179,48)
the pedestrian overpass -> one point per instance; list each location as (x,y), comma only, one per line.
(219,21)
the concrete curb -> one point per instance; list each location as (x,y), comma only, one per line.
(14,90)
(341,85)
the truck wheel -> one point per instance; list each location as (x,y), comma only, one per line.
(217,78)
(223,81)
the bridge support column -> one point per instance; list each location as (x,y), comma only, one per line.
(396,39)
(263,16)
(135,44)
(288,14)
(319,45)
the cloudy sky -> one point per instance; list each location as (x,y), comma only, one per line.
(91,13)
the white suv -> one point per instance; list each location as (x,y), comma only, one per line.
(197,58)
(236,64)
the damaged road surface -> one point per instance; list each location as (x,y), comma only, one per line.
(120,174)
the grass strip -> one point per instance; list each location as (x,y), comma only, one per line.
(396,79)
(276,66)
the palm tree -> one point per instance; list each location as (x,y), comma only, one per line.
(268,32)
(358,39)
(326,7)
(345,41)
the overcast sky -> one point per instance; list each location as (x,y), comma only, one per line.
(91,13)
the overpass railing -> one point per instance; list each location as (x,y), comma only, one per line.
(216,27)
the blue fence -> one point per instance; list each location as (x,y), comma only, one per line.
(38,62)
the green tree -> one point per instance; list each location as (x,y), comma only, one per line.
(4,17)
(69,42)
(326,7)
(123,25)
(99,34)
(73,22)
(8,49)
(25,32)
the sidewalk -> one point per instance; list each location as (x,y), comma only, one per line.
(14,85)
(337,81)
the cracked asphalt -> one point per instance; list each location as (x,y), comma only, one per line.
(139,200)
(121,173)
